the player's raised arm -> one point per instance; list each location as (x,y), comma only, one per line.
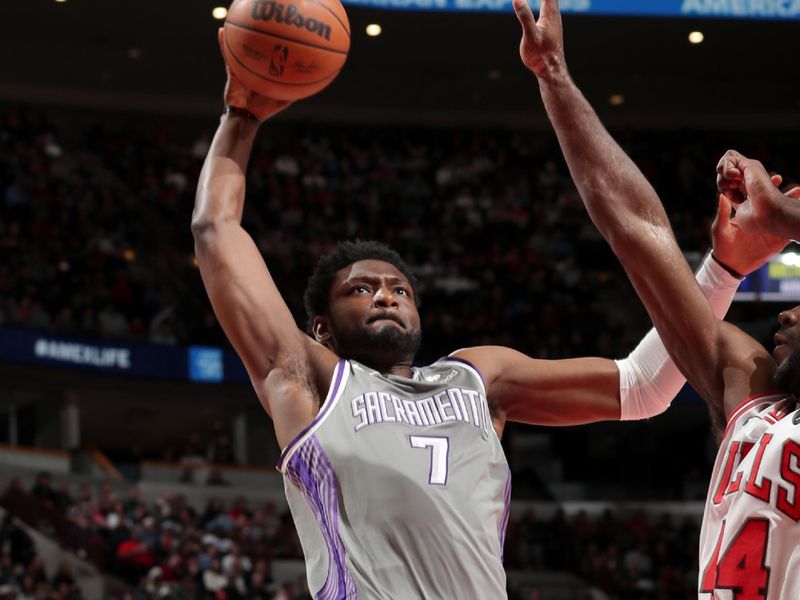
(246,301)
(628,213)
(640,386)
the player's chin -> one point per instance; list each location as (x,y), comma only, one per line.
(781,353)
(386,323)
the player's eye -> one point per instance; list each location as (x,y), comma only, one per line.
(401,290)
(361,289)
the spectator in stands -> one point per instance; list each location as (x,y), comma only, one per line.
(191,458)
(134,557)
(64,583)
(219,449)
(15,542)
(43,488)
(214,579)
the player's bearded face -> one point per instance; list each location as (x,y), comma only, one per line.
(372,315)
(787,376)
(381,339)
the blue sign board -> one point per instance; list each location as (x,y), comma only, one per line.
(197,363)
(205,364)
(742,9)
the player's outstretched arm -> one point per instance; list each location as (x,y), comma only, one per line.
(245,299)
(628,213)
(285,366)
(575,391)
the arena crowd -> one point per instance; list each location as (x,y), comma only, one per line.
(96,231)
(166,549)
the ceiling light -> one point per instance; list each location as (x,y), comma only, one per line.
(219,12)
(696,37)
(60,1)
(373,30)
(616,100)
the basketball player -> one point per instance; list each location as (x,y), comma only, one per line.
(750,537)
(395,474)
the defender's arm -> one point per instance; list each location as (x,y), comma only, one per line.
(627,211)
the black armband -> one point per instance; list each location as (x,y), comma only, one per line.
(726,267)
(241,112)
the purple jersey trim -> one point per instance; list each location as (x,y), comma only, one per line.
(336,380)
(312,473)
(470,365)
(506,513)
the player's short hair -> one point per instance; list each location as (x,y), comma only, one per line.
(317,294)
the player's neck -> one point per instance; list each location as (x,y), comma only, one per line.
(401,370)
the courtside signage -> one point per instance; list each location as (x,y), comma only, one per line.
(741,9)
(202,364)
(206,364)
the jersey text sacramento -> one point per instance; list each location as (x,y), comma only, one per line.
(451,404)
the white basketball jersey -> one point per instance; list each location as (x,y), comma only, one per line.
(750,538)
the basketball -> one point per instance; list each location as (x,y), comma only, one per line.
(286,50)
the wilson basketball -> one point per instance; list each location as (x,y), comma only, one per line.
(286,49)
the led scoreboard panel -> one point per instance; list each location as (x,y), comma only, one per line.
(741,9)
(776,281)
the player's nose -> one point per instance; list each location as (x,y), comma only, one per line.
(787,318)
(384,297)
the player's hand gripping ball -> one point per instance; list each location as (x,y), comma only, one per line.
(286,49)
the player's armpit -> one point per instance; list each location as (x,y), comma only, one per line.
(291,392)
(547,392)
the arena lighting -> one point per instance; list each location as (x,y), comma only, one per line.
(616,100)
(374,30)
(219,13)
(696,37)
(791,259)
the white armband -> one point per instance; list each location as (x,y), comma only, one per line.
(648,379)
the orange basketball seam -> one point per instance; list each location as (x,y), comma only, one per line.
(335,16)
(286,39)
(257,74)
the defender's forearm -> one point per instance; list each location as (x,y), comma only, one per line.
(615,192)
(221,187)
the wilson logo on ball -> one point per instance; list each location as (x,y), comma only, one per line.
(269,10)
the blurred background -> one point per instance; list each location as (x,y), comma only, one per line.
(135,460)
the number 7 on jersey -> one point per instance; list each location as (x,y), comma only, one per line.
(439,455)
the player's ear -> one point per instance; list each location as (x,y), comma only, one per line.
(320,329)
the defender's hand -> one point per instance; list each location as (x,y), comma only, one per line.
(759,202)
(737,249)
(236,94)
(730,176)
(762,213)
(542,45)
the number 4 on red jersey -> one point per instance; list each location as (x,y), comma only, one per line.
(741,568)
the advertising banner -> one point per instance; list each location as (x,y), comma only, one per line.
(741,9)
(201,364)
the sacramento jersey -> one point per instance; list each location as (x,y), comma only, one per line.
(399,488)
(750,539)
